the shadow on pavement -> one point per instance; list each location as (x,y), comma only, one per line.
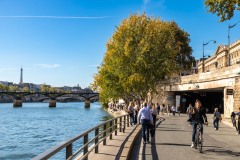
(223,152)
(172,144)
(153,144)
(153,149)
(173,130)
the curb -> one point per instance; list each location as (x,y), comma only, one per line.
(136,134)
(125,149)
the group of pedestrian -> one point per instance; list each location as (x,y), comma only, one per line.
(147,116)
(197,115)
(162,109)
(235,117)
(133,110)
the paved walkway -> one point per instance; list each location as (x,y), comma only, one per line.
(173,139)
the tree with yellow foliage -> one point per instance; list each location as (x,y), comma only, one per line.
(141,52)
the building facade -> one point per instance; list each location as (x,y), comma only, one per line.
(217,87)
(221,57)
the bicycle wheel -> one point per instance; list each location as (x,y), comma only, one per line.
(199,142)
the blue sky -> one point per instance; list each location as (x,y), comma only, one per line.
(61,42)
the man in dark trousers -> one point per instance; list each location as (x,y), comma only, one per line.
(145,118)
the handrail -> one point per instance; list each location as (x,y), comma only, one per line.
(115,124)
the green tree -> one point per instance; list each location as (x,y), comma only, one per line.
(25,89)
(140,53)
(3,87)
(44,88)
(13,88)
(52,89)
(223,8)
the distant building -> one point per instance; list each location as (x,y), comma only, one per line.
(6,83)
(76,88)
(221,56)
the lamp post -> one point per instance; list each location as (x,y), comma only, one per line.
(228,54)
(204,44)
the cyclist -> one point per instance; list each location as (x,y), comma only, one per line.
(198,117)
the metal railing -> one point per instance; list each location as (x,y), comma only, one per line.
(101,134)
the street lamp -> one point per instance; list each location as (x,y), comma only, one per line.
(204,44)
(228,55)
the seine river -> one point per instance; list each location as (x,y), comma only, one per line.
(28,131)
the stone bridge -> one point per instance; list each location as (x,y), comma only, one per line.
(52,96)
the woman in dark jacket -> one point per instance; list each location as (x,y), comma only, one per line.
(198,117)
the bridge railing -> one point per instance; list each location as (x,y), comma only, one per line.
(101,133)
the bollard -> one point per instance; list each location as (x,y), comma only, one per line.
(116,127)
(104,134)
(120,126)
(96,140)
(111,122)
(68,151)
(85,140)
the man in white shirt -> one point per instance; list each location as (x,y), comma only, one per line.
(145,117)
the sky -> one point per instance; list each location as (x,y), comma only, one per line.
(61,42)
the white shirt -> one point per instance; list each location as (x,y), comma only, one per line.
(145,113)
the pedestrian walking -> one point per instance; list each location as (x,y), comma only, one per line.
(131,113)
(154,114)
(233,118)
(189,111)
(216,118)
(158,108)
(136,109)
(168,109)
(163,109)
(173,110)
(145,118)
(238,121)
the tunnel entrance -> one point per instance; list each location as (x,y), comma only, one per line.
(210,99)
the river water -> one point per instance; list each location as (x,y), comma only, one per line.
(28,131)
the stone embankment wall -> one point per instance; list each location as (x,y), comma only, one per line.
(236,94)
(163,97)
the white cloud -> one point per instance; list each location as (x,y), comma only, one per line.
(13,69)
(154,5)
(60,17)
(145,4)
(9,69)
(48,65)
(146,1)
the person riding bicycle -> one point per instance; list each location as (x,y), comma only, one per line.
(198,117)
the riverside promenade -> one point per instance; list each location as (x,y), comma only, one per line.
(172,141)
